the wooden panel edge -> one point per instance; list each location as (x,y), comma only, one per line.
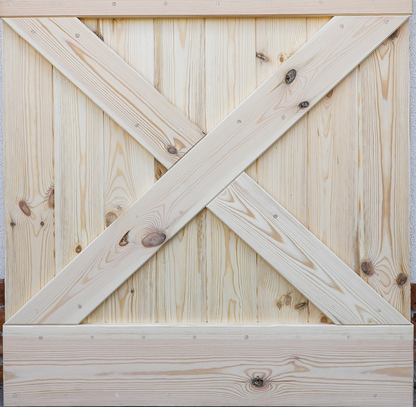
(202,8)
(210,364)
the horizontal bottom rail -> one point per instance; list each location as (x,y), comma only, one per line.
(208,364)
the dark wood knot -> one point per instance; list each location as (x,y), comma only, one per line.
(401,279)
(262,57)
(51,198)
(24,207)
(290,76)
(124,240)
(78,249)
(172,150)
(154,239)
(110,217)
(367,268)
(304,105)
(257,382)
(301,305)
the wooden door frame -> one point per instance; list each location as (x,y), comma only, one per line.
(346,299)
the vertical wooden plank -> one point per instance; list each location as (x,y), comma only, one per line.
(128,172)
(282,170)
(180,77)
(332,169)
(384,170)
(231,77)
(29,169)
(79,198)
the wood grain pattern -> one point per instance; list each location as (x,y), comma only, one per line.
(195,180)
(128,173)
(79,164)
(201,8)
(282,169)
(299,256)
(29,171)
(115,87)
(384,171)
(180,77)
(231,77)
(207,364)
(333,169)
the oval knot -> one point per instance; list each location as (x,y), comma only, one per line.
(154,239)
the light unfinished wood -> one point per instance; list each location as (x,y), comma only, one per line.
(128,173)
(188,8)
(180,77)
(281,170)
(384,246)
(206,364)
(332,169)
(115,87)
(79,164)
(231,77)
(29,171)
(258,122)
(299,256)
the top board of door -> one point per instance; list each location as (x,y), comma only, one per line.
(199,8)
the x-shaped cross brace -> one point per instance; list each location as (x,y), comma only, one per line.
(210,174)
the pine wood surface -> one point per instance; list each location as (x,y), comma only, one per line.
(188,204)
(201,8)
(208,364)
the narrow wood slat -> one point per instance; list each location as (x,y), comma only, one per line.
(112,84)
(206,170)
(180,77)
(29,165)
(231,77)
(332,169)
(128,173)
(384,238)
(79,175)
(206,364)
(299,256)
(282,170)
(201,8)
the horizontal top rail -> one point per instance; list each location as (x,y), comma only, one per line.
(199,8)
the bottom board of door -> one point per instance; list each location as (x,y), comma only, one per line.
(205,364)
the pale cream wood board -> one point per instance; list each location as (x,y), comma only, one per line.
(128,173)
(201,8)
(29,171)
(197,184)
(384,236)
(180,77)
(230,78)
(298,255)
(79,164)
(114,86)
(333,170)
(281,170)
(303,365)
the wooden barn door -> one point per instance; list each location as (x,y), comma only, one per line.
(207,211)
